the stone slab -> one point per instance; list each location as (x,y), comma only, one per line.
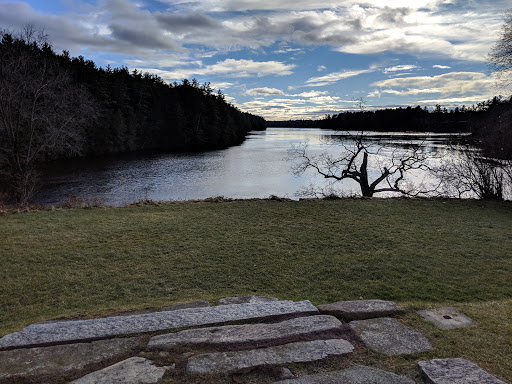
(446,318)
(246,299)
(85,330)
(455,371)
(63,359)
(358,374)
(135,370)
(360,309)
(300,352)
(193,304)
(388,336)
(251,334)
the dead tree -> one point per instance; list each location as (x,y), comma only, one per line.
(353,163)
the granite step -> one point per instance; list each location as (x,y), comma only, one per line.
(64,332)
(300,352)
(254,335)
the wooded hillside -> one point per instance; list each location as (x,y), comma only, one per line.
(53,106)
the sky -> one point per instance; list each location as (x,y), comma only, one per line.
(287,59)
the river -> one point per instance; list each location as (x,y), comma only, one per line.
(258,168)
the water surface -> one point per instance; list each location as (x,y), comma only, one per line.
(258,168)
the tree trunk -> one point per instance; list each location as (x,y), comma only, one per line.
(366,190)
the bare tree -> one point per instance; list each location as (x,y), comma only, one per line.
(42,114)
(473,175)
(353,163)
(500,56)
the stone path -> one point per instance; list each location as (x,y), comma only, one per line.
(267,333)
(82,330)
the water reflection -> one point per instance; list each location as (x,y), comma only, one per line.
(256,168)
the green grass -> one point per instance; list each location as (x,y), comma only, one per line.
(420,253)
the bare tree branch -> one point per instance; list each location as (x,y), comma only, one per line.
(353,163)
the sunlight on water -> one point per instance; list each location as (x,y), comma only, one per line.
(257,168)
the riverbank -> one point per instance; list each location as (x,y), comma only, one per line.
(421,253)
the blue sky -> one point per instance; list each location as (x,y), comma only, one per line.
(288,59)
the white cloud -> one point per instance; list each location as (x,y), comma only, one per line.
(456,100)
(290,50)
(221,85)
(361,27)
(228,68)
(290,5)
(335,77)
(324,100)
(374,93)
(398,68)
(441,66)
(264,91)
(321,68)
(452,86)
(312,94)
(249,68)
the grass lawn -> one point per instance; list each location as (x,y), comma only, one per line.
(419,253)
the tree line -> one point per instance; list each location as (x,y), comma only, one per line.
(139,111)
(54,106)
(489,122)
